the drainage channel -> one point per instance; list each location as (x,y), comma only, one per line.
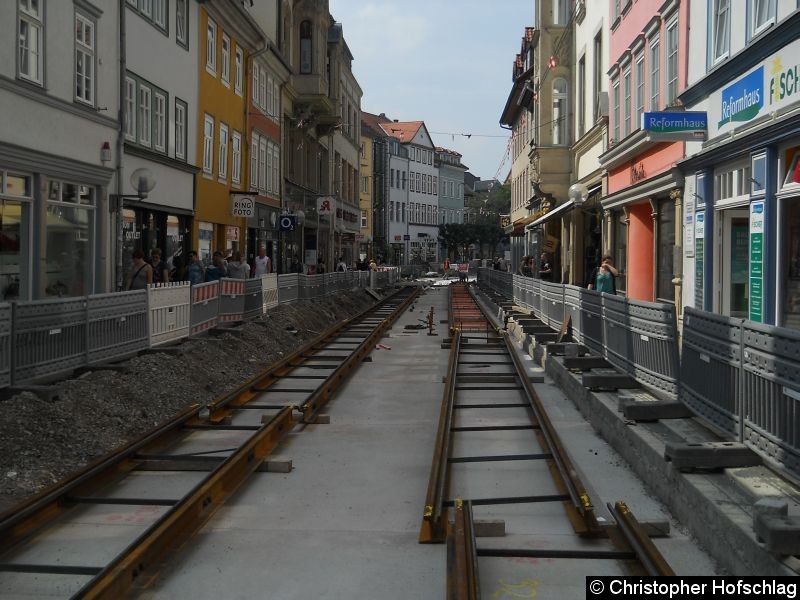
(110,528)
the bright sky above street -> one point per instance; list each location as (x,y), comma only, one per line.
(445,62)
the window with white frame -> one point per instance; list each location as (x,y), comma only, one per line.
(654,64)
(84,59)
(762,15)
(276,169)
(639,90)
(364,184)
(146,7)
(262,165)
(559,124)
(145,125)
(560,11)
(182,23)
(732,184)
(31,40)
(180,129)
(238,71)
(225,71)
(222,158)
(363,219)
(130,109)
(236,157)
(268,173)
(208,145)
(211,47)
(721,30)
(671,62)
(160,13)
(626,102)
(254,163)
(254,85)
(160,122)
(615,108)
(270,94)
(262,90)
(276,101)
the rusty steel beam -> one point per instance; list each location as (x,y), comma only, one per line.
(141,560)
(463,582)
(434,518)
(646,552)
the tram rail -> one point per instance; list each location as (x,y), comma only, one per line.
(623,540)
(331,357)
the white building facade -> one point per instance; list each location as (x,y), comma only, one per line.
(399,236)
(159,116)
(58,100)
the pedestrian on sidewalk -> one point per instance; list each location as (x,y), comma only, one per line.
(141,273)
(262,265)
(603,277)
(545,268)
(237,268)
(217,269)
(195,271)
(160,268)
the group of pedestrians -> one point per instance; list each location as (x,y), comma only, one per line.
(155,270)
(602,278)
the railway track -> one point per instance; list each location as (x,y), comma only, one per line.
(494,434)
(108,529)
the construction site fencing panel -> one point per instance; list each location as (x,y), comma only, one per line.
(205,307)
(552,303)
(269,292)
(536,297)
(288,288)
(169,312)
(49,338)
(231,300)
(616,333)
(711,359)
(654,348)
(253,298)
(592,320)
(117,325)
(572,309)
(5,344)
(770,393)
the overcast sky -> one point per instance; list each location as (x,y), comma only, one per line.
(445,62)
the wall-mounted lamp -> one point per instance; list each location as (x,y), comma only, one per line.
(105,152)
(578,193)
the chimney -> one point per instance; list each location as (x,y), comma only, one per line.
(396,121)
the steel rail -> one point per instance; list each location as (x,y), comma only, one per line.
(434,519)
(641,544)
(463,582)
(137,562)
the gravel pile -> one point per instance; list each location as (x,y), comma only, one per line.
(41,442)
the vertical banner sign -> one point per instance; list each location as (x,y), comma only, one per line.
(757,261)
(699,251)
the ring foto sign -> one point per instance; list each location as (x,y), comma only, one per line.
(243,206)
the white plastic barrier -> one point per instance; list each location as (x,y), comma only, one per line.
(269,291)
(168,312)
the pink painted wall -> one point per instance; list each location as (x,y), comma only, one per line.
(652,162)
(640,252)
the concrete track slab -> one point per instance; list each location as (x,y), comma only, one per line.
(471,443)
(500,479)
(29,586)
(483,417)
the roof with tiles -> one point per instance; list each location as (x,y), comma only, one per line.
(405,131)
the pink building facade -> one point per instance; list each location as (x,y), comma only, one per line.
(643,208)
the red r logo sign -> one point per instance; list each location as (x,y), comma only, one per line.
(326,206)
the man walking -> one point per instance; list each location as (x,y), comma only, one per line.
(262,264)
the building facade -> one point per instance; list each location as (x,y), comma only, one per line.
(160,113)
(423,186)
(451,188)
(59,94)
(643,206)
(398,202)
(741,218)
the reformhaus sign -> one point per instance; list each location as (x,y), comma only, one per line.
(773,84)
(675,125)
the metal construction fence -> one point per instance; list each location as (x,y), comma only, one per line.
(46,339)
(741,377)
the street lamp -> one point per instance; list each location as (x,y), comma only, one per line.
(578,193)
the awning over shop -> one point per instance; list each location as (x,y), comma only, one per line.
(517,228)
(559,210)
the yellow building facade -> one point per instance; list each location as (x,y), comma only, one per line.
(226,37)
(366,177)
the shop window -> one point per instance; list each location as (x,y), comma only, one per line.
(15,219)
(791,295)
(700,191)
(758,181)
(205,242)
(69,228)
(306,47)
(665,290)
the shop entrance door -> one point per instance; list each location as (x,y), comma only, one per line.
(733,249)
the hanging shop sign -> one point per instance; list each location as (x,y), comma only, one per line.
(243,206)
(324,205)
(676,125)
(699,256)
(757,261)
